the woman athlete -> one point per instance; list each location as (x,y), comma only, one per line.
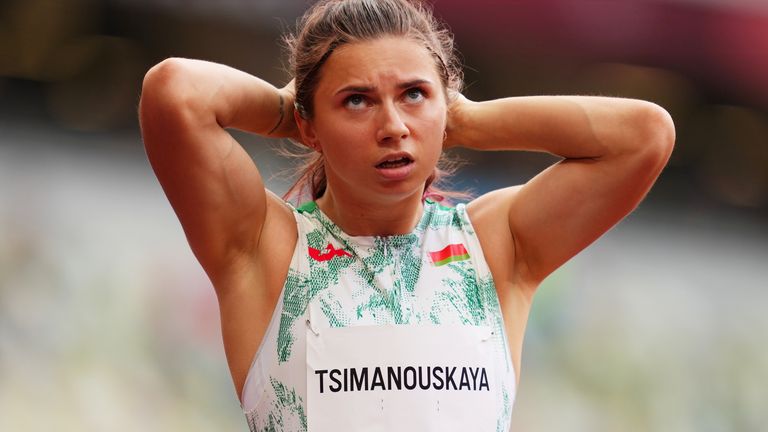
(372,306)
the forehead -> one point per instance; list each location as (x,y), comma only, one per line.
(378,62)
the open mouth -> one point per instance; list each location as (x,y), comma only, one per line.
(395,163)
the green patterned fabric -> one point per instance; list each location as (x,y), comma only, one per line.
(433,275)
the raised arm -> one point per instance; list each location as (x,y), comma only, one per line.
(613,150)
(209,179)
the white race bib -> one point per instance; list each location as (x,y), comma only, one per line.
(401,378)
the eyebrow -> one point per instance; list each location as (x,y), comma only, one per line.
(368,89)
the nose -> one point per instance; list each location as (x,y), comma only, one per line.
(391,126)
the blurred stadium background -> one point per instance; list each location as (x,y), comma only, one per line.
(108,324)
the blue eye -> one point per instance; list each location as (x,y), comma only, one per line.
(414,94)
(354,101)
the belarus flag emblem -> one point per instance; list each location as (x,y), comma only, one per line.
(450,253)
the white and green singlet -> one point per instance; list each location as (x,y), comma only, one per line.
(390,333)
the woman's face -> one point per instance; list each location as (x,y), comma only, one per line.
(379,116)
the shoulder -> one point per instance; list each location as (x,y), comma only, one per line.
(270,255)
(490,215)
(490,211)
(280,223)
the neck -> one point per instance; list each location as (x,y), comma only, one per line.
(370,217)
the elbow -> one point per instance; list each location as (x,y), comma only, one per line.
(662,139)
(167,93)
(162,79)
(662,136)
(172,73)
(169,106)
(654,137)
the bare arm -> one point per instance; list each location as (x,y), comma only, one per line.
(209,179)
(613,150)
(237,230)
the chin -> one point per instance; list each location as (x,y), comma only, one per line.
(397,191)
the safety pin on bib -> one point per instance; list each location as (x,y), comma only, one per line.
(312,329)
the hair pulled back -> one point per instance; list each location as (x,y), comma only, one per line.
(329,24)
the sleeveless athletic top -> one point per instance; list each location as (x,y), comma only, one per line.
(436,275)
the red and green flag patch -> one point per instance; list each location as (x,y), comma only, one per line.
(450,253)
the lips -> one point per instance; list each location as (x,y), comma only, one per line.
(396,166)
(395,161)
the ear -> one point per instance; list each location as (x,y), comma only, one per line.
(307,132)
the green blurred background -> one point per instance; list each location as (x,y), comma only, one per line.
(107,323)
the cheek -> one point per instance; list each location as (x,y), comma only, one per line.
(335,136)
(344,148)
(432,129)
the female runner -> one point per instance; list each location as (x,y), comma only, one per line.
(372,306)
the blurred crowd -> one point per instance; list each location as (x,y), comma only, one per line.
(108,323)
(79,64)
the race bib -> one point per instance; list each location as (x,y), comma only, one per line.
(401,378)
